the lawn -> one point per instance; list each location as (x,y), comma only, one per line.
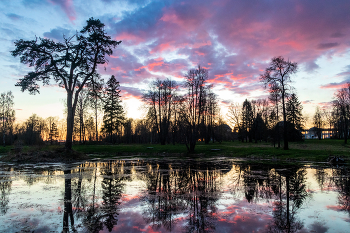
(309,150)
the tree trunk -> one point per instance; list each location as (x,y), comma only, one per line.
(70,121)
(285,133)
(96,119)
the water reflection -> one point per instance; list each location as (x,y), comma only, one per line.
(172,196)
(5,188)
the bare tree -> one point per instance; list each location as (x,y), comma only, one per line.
(160,100)
(7,113)
(81,113)
(193,108)
(277,77)
(95,99)
(318,122)
(342,107)
(275,98)
(234,115)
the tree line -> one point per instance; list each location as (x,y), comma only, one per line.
(176,113)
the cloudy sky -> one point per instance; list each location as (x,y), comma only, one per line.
(234,40)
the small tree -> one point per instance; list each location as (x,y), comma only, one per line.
(53,135)
(113,116)
(277,77)
(72,64)
(318,122)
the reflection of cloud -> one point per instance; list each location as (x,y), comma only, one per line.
(318,227)
(239,218)
(335,207)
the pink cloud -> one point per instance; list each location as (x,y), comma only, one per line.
(67,7)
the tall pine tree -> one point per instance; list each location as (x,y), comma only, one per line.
(114,115)
(293,111)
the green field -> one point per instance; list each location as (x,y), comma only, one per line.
(309,150)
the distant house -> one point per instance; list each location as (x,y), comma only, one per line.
(311,133)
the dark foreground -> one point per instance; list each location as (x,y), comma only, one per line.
(172,195)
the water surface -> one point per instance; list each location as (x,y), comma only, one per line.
(217,195)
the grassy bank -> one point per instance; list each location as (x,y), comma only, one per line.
(309,150)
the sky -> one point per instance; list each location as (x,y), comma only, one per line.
(234,40)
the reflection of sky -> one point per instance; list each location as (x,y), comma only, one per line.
(36,203)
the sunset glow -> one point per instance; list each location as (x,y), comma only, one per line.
(234,40)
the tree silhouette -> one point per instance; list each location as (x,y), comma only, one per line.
(72,64)
(53,132)
(7,113)
(160,100)
(277,77)
(95,99)
(247,120)
(342,107)
(113,110)
(318,122)
(294,111)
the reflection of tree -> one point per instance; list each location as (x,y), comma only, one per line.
(341,180)
(79,200)
(5,189)
(162,198)
(177,189)
(202,199)
(321,177)
(112,188)
(285,211)
(68,210)
(256,181)
(92,220)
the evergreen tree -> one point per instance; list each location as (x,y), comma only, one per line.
(53,135)
(293,111)
(247,120)
(113,110)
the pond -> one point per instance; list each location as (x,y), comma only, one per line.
(168,195)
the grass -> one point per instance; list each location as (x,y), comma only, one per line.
(309,150)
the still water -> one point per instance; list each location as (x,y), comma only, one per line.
(218,195)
